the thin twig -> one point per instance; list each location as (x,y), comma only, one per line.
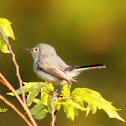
(17,68)
(54,98)
(9,86)
(23,103)
(16,110)
(17,73)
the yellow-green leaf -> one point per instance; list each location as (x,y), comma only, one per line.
(93,108)
(25,89)
(29,86)
(37,101)
(36,109)
(44,97)
(31,96)
(57,106)
(3,45)
(5,32)
(5,26)
(41,114)
(95,100)
(66,90)
(69,111)
(48,104)
(75,105)
(50,86)
(75,112)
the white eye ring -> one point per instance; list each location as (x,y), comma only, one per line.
(36,49)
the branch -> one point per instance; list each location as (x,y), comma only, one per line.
(54,98)
(23,103)
(16,66)
(17,71)
(9,86)
(16,110)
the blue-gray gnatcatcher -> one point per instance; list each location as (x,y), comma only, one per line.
(50,67)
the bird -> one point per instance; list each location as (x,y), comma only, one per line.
(50,67)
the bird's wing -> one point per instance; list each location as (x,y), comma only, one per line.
(53,70)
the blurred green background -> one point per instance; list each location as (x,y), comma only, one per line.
(83,33)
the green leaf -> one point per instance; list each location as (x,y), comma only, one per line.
(25,89)
(3,45)
(36,109)
(66,90)
(48,104)
(71,106)
(72,102)
(5,32)
(37,101)
(29,86)
(44,98)
(93,108)
(69,111)
(95,100)
(41,114)
(75,105)
(50,86)
(80,102)
(57,106)
(37,85)
(6,29)
(31,96)
(75,112)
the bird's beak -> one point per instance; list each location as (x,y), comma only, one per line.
(27,49)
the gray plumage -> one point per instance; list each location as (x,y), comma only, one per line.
(50,67)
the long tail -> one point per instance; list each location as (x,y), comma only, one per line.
(90,67)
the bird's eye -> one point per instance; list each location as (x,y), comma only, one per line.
(36,49)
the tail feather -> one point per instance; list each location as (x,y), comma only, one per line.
(90,67)
(73,71)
